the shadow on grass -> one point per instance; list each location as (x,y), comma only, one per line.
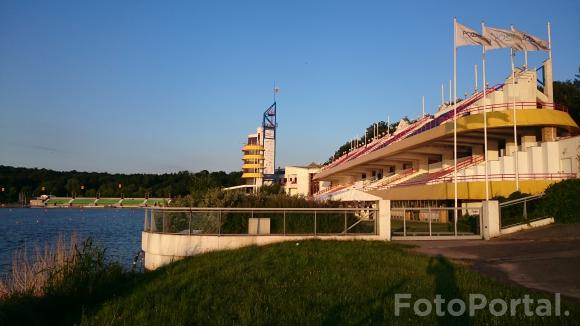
(375,316)
(446,286)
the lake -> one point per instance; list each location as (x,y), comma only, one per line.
(117,230)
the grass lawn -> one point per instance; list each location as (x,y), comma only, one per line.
(313,282)
(152,201)
(83,201)
(58,201)
(108,201)
(133,202)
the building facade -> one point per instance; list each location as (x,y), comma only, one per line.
(299,180)
(531,143)
(259,152)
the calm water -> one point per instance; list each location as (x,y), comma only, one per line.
(117,230)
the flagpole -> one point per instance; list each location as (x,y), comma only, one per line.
(455,123)
(484,115)
(549,41)
(450,90)
(442,94)
(516,167)
(365,138)
(423,105)
(475,71)
(526,59)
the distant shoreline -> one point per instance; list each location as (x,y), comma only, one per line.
(11,206)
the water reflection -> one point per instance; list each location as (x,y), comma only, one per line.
(118,230)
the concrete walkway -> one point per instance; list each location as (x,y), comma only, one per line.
(546,258)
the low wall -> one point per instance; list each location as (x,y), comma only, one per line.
(527,226)
(162,249)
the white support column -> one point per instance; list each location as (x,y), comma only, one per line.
(490,221)
(384,219)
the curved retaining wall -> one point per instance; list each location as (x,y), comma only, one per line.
(162,249)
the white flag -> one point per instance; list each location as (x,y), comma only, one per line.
(503,38)
(466,36)
(531,42)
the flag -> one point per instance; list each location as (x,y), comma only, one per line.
(531,42)
(503,38)
(466,36)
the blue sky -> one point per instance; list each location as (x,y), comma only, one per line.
(153,86)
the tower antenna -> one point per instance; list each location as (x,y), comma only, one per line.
(275,90)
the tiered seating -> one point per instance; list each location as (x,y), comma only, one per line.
(422,125)
(333,189)
(433,177)
(390,179)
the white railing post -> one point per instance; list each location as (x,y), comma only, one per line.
(429,214)
(404,223)
(314,222)
(189,226)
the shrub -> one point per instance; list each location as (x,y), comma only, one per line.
(269,198)
(561,201)
(55,285)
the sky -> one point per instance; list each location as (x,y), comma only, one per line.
(165,86)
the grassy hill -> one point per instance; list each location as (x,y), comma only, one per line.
(303,283)
(311,282)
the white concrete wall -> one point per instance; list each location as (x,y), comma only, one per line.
(569,151)
(536,159)
(162,249)
(302,175)
(550,149)
(550,157)
(269,151)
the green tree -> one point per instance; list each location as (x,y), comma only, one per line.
(568,94)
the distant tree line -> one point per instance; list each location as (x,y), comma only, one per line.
(15,183)
(370,132)
(568,93)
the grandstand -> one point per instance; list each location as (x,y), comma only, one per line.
(416,161)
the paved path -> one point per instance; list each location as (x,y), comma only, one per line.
(546,258)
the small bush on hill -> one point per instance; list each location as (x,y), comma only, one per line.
(56,284)
(562,201)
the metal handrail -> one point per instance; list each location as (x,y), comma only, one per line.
(510,176)
(151,219)
(262,209)
(524,216)
(520,200)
